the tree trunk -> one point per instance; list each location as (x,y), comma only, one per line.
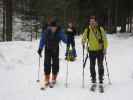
(8,19)
(123,28)
(4,25)
(109,20)
(116,15)
(130,23)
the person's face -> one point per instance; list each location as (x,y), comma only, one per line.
(70,25)
(93,22)
(53,29)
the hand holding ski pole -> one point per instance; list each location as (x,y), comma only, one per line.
(39,52)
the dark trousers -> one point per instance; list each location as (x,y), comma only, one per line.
(51,61)
(71,42)
(99,56)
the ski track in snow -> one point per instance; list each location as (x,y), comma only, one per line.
(19,65)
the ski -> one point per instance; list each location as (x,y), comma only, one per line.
(44,87)
(93,87)
(97,87)
(50,85)
(101,88)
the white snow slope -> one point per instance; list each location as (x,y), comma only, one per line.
(19,65)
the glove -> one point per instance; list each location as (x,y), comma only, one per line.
(39,52)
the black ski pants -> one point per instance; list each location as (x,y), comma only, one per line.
(51,61)
(99,56)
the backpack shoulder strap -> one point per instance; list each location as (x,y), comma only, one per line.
(88,32)
(100,31)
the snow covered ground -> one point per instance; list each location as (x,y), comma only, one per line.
(19,65)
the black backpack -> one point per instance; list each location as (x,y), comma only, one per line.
(51,39)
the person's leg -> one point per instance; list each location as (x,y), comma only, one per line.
(73,42)
(55,65)
(92,66)
(73,47)
(47,66)
(100,57)
(68,46)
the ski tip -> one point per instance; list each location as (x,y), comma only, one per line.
(51,85)
(42,88)
(93,87)
(101,88)
(37,81)
(102,92)
(110,83)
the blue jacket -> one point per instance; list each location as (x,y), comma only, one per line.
(61,36)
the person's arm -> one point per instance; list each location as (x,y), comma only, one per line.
(42,40)
(84,37)
(66,32)
(41,44)
(62,36)
(74,31)
(104,38)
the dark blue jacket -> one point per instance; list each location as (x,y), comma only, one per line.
(61,36)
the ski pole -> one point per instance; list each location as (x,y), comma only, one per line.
(84,64)
(107,71)
(38,78)
(67,69)
(83,69)
(67,76)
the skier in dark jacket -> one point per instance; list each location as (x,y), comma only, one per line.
(70,32)
(50,38)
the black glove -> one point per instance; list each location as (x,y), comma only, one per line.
(39,52)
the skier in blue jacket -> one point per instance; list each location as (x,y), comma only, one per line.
(50,38)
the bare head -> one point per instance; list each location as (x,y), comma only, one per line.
(93,21)
(54,27)
(70,24)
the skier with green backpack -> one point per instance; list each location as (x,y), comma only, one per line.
(94,36)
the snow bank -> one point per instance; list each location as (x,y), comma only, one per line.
(19,64)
